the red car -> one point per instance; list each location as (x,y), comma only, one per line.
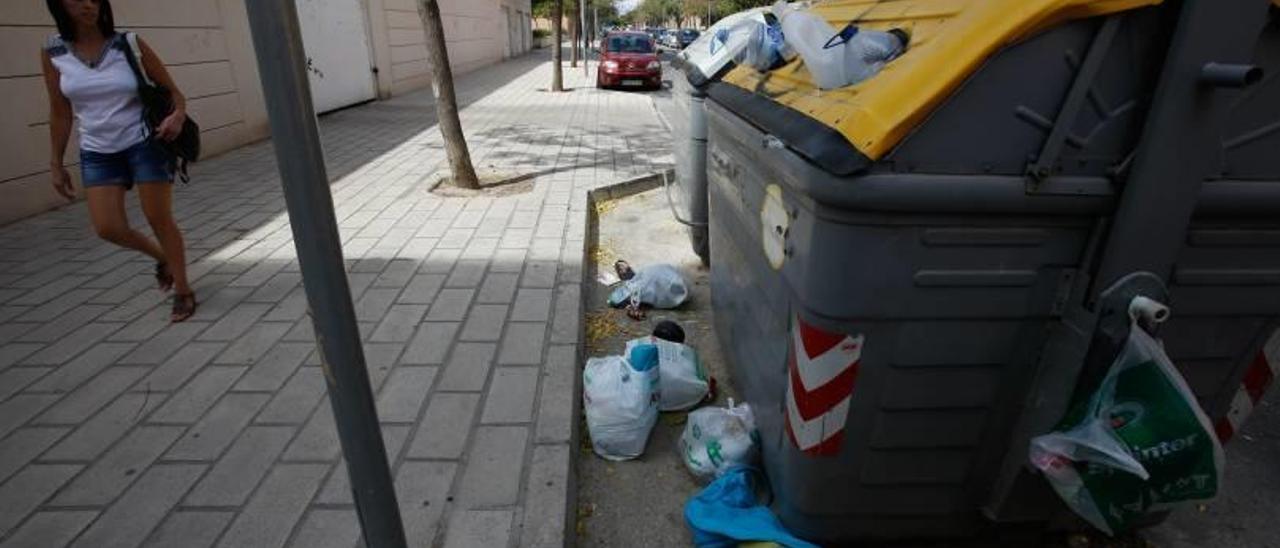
(629,59)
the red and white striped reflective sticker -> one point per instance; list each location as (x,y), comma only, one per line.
(1261,373)
(822,368)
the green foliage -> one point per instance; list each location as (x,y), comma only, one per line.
(541,33)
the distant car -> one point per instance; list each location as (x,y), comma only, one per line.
(686,37)
(629,59)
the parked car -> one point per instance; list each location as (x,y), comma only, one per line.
(685,37)
(629,59)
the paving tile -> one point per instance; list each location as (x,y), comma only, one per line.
(373,304)
(127,523)
(270,372)
(532,305)
(478,529)
(190,529)
(466,274)
(18,409)
(78,406)
(399,324)
(269,517)
(338,489)
(523,344)
(404,393)
(275,289)
(397,274)
(484,323)
(545,520)
(294,403)
(158,348)
(508,260)
(175,371)
(106,426)
(291,309)
(14,380)
(318,439)
(498,288)
(23,445)
(446,426)
(430,344)
(468,367)
(252,346)
(50,529)
(422,489)
(328,529)
(235,322)
(494,466)
(206,439)
(440,261)
(539,274)
(78,341)
(62,326)
(67,377)
(450,305)
(111,474)
(13,352)
(189,404)
(511,395)
(27,489)
(233,478)
(567,325)
(422,289)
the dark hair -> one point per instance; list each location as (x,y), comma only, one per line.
(67,28)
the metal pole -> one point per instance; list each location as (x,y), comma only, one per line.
(586,42)
(277,42)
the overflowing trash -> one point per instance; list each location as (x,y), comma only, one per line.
(717,439)
(682,378)
(668,330)
(837,58)
(658,286)
(757,43)
(727,512)
(620,399)
(1136,444)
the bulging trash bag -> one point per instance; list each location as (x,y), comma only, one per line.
(757,44)
(682,379)
(620,400)
(808,34)
(866,51)
(658,285)
(717,439)
(1138,443)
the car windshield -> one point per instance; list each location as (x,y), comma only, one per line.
(688,33)
(630,43)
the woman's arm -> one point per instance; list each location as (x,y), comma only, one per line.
(172,125)
(59,128)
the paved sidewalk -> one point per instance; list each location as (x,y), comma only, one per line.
(118,429)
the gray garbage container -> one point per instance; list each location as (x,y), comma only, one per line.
(904,321)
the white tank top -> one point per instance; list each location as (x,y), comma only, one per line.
(104,97)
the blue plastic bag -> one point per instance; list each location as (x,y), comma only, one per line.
(726,513)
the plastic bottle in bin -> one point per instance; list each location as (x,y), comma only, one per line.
(807,34)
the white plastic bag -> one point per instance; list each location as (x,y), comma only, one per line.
(866,51)
(1137,444)
(682,378)
(620,400)
(717,438)
(808,34)
(658,285)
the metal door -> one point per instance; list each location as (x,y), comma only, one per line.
(336,40)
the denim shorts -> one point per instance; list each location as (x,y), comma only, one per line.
(144,162)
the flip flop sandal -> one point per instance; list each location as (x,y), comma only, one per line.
(163,277)
(184,306)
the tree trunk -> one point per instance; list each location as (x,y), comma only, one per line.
(455,143)
(557,76)
(573,37)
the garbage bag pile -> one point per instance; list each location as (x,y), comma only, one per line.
(834,58)
(1137,444)
(620,399)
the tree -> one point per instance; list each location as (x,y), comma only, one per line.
(455,143)
(557,72)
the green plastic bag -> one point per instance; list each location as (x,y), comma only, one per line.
(1137,444)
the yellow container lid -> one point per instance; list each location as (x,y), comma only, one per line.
(950,39)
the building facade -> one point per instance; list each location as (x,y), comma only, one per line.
(358,50)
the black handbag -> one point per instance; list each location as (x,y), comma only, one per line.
(157,104)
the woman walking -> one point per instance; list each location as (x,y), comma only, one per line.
(88,76)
